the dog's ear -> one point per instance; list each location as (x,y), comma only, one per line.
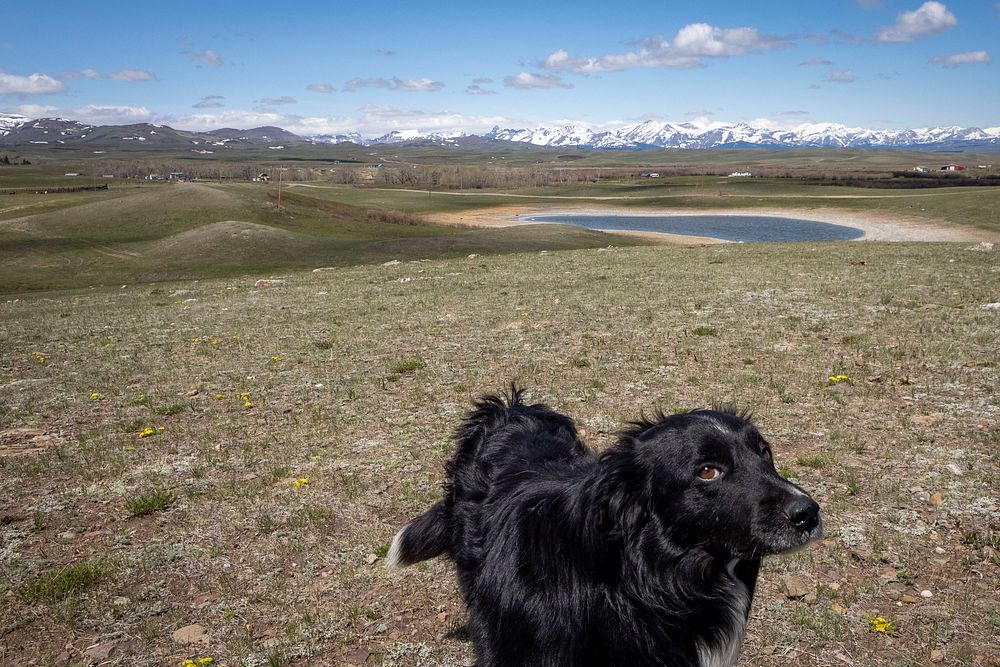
(620,495)
(637,428)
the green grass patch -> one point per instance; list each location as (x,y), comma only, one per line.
(147,503)
(407,366)
(65,582)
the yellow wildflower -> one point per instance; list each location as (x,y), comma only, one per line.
(205,661)
(838,378)
(301,481)
(216,341)
(881,624)
(275,357)
(95,396)
(220,396)
(146,432)
(247,404)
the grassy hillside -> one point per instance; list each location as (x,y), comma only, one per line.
(184,230)
(290,430)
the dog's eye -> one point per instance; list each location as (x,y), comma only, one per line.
(708,473)
(766,455)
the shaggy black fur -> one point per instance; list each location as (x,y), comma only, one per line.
(646,554)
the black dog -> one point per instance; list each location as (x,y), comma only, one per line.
(646,554)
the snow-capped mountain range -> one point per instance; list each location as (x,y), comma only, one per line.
(659,134)
(19,130)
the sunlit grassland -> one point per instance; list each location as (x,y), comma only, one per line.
(357,376)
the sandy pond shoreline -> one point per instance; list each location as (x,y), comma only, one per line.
(875,226)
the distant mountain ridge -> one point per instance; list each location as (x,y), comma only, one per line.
(19,130)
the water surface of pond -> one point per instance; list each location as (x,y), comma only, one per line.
(745,228)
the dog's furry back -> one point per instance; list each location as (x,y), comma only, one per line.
(501,438)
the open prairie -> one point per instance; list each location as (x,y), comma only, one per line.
(143,233)
(204,468)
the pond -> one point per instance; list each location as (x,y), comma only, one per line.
(743,228)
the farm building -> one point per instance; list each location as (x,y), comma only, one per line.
(953,167)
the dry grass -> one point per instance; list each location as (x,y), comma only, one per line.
(353,379)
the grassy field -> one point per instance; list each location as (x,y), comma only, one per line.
(173,231)
(205,469)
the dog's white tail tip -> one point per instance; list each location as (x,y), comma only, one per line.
(394,559)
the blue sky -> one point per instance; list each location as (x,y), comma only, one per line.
(374,67)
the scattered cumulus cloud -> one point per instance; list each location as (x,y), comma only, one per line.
(840,76)
(210,102)
(966,58)
(476,89)
(422,84)
(527,80)
(931,18)
(698,113)
(33,84)
(276,101)
(482,80)
(384,52)
(107,114)
(814,62)
(234,118)
(206,57)
(131,75)
(381,119)
(690,46)
(320,88)
(35,110)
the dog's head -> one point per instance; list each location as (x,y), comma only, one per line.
(712,484)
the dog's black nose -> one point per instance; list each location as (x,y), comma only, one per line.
(803,512)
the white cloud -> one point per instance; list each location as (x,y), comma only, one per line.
(421,85)
(208,57)
(528,80)
(378,119)
(966,58)
(372,120)
(237,119)
(35,110)
(931,18)
(108,114)
(273,101)
(33,84)
(320,88)
(210,102)
(690,46)
(811,62)
(476,89)
(131,75)
(840,76)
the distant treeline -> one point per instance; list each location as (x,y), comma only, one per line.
(907,180)
(45,190)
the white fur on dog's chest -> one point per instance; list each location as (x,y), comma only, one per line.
(724,650)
